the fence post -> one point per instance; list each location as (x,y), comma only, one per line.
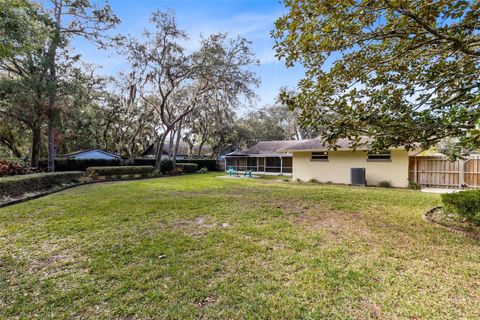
(461,173)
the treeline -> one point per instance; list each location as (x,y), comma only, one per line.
(52,102)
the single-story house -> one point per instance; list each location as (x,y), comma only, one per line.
(313,160)
(91,154)
(262,158)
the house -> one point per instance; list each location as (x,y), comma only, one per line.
(312,159)
(182,151)
(91,154)
(262,158)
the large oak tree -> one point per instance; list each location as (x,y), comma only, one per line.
(398,71)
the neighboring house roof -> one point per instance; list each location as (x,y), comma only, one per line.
(73,154)
(264,149)
(182,149)
(151,151)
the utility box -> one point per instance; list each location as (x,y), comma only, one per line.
(358,177)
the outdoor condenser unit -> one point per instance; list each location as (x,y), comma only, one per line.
(357,177)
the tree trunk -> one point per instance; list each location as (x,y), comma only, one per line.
(177,142)
(51,144)
(36,141)
(200,149)
(9,140)
(170,143)
(159,151)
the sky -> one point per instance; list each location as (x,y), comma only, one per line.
(252,19)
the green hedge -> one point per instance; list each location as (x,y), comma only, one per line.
(188,167)
(465,204)
(17,185)
(119,171)
(166,165)
(210,164)
(80,164)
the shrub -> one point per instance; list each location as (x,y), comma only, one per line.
(314,181)
(210,164)
(414,185)
(188,167)
(466,204)
(385,184)
(80,164)
(119,171)
(166,166)
(13,168)
(18,185)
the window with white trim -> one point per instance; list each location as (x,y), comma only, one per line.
(319,156)
(379,156)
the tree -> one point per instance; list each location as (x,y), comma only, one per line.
(176,81)
(70,18)
(22,29)
(400,72)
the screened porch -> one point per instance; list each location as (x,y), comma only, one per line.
(280,165)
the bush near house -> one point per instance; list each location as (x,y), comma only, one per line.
(385,184)
(187,167)
(17,185)
(119,171)
(466,204)
(13,168)
(80,164)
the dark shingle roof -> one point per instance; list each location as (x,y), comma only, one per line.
(265,148)
(319,145)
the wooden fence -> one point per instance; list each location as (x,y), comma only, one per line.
(441,172)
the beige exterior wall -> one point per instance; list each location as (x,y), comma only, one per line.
(337,168)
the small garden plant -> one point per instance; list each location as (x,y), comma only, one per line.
(385,184)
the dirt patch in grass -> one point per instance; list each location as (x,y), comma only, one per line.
(338,224)
(205,302)
(199,226)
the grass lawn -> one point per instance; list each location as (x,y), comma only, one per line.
(201,246)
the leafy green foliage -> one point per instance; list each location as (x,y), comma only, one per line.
(400,72)
(414,185)
(385,184)
(166,166)
(18,185)
(466,204)
(188,167)
(21,28)
(119,171)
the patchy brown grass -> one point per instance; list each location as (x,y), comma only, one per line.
(198,247)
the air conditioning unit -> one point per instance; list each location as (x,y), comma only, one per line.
(358,177)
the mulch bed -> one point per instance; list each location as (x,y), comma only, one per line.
(451,223)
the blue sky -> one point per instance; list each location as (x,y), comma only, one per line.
(252,19)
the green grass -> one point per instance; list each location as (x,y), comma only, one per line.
(201,246)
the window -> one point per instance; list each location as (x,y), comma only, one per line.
(320,156)
(379,156)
